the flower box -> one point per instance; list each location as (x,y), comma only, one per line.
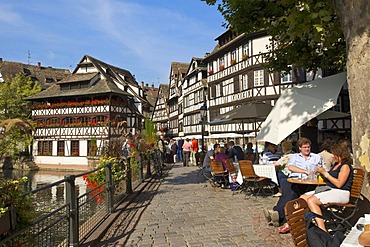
(222,67)
(245,56)
(210,72)
(232,62)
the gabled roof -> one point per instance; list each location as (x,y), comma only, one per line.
(104,67)
(78,77)
(101,87)
(227,44)
(102,81)
(162,93)
(46,76)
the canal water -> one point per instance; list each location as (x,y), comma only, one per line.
(51,197)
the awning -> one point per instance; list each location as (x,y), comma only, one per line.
(300,104)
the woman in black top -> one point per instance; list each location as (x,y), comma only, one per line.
(339,178)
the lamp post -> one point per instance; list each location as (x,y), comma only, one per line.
(203,114)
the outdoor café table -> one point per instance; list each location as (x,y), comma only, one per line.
(301,186)
(352,237)
(305,181)
(261,170)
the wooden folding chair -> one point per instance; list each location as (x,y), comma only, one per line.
(217,170)
(232,172)
(254,183)
(344,212)
(294,214)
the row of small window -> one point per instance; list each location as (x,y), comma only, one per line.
(234,85)
(73,120)
(46,148)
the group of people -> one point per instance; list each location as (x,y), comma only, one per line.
(179,151)
(334,164)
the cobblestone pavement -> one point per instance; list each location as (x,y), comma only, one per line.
(185,210)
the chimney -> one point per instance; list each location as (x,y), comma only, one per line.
(147,85)
(1,59)
(142,85)
(153,85)
(39,65)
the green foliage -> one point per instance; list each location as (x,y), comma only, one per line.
(149,134)
(13,93)
(16,137)
(99,177)
(11,194)
(304,33)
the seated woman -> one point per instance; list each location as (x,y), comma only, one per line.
(339,178)
(249,153)
(222,157)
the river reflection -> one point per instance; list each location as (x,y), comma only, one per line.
(51,197)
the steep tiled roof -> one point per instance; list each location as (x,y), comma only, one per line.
(101,87)
(178,66)
(78,77)
(46,76)
(105,83)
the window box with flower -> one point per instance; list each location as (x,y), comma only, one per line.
(232,61)
(245,56)
(210,72)
(222,67)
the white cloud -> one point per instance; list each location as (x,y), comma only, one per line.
(9,16)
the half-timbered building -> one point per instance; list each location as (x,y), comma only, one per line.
(236,77)
(77,117)
(177,74)
(194,91)
(161,110)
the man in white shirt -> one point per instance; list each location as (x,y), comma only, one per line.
(300,164)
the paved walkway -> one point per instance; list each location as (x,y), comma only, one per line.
(185,210)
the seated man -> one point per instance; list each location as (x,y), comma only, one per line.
(235,152)
(299,165)
(271,152)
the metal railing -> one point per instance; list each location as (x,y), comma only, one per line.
(72,222)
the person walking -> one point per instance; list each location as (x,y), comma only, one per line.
(162,148)
(194,151)
(180,156)
(186,148)
(173,150)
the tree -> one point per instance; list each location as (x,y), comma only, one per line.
(16,130)
(12,95)
(316,34)
(16,134)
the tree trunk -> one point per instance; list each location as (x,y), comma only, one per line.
(355,19)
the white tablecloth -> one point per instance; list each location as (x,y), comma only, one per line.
(261,170)
(352,238)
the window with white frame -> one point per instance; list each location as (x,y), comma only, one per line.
(218,90)
(222,63)
(245,81)
(233,58)
(259,78)
(246,49)
(286,77)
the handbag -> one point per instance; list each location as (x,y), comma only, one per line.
(316,237)
(320,189)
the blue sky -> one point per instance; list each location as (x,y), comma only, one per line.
(142,36)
